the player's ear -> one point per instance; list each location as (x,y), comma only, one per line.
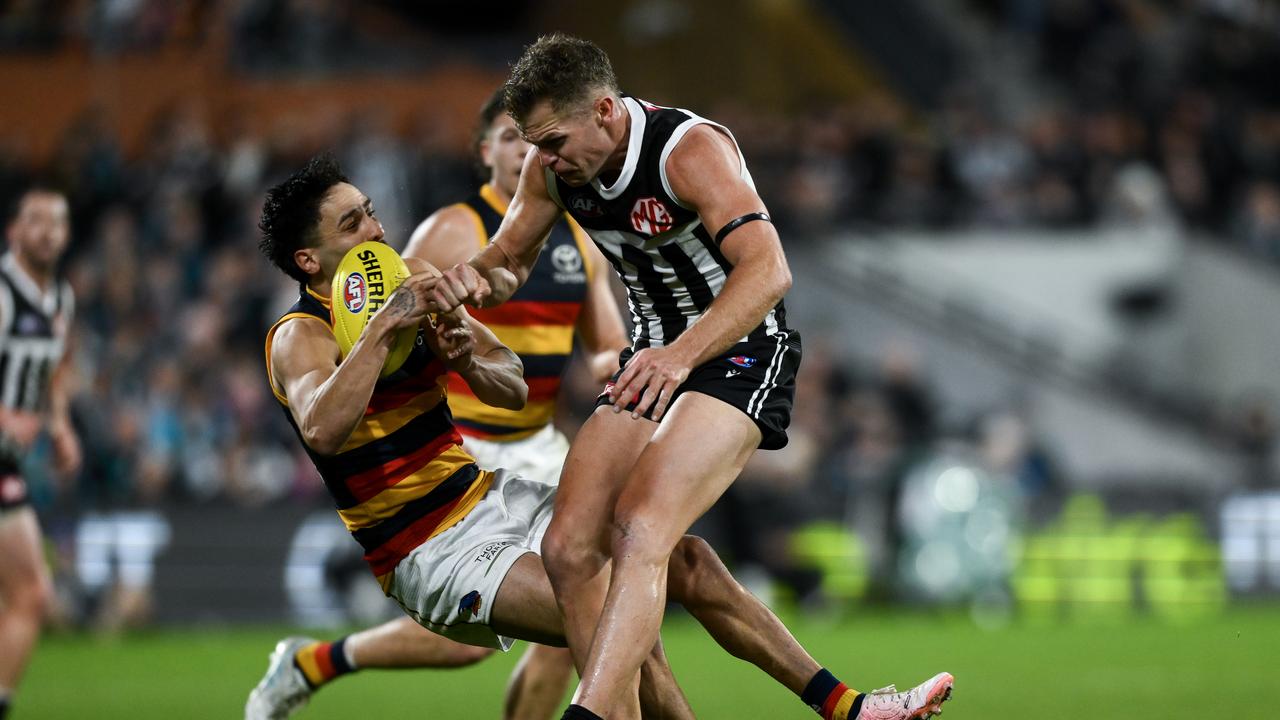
(603,109)
(307,259)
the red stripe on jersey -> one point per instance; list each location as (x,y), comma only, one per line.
(543,388)
(402,392)
(384,558)
(529,312)
(374,480)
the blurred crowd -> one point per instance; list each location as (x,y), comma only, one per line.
(1128,111)
(1131,113)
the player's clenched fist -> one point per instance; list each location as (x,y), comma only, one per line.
(460,284)
(412,301)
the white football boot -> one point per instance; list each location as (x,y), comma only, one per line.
(283,690)
(922,701)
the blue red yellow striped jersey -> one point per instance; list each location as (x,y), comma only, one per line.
(537,323)
(402,477)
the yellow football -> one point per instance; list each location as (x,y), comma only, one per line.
(365,279)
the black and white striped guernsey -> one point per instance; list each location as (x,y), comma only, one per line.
(33,333)
(668,261)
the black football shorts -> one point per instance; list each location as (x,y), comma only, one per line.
(757,376)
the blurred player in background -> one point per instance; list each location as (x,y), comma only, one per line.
(35,314)
(569,292)
(668,197)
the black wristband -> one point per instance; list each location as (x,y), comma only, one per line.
(738,222)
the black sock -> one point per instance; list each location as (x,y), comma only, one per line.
(577,712)
(819,688)
(4,707)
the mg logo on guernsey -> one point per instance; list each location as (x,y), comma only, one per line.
(650,216)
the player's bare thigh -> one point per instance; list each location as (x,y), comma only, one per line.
(525,606)
(21,561)
(599,460)
(697,452)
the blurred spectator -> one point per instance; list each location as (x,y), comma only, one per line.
(1257,222)
(1009,450)
(892,422)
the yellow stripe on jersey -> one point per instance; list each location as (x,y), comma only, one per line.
(536,339)
(388,502)
(534,415)
(491,196)
(380,425)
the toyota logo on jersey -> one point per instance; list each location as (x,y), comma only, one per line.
(650,216)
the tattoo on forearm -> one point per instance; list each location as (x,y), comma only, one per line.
(402,304)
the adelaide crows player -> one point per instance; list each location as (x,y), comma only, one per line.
(569,294)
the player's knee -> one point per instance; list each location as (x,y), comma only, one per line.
(568,558)
(683,569)
(638,538)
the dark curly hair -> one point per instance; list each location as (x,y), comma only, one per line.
(291,212)
(558,68)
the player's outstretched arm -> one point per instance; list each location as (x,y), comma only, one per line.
(494,373)
(495,273)
(328,395)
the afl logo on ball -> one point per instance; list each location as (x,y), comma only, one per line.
(353,294)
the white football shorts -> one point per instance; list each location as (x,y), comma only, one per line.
(448,583)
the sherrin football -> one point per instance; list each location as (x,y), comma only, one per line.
(365,279)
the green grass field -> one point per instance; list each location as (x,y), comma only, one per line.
(1141,669)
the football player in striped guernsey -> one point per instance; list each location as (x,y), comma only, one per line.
(35,314)
(708,379)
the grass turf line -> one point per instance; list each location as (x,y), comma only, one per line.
(1142,668)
